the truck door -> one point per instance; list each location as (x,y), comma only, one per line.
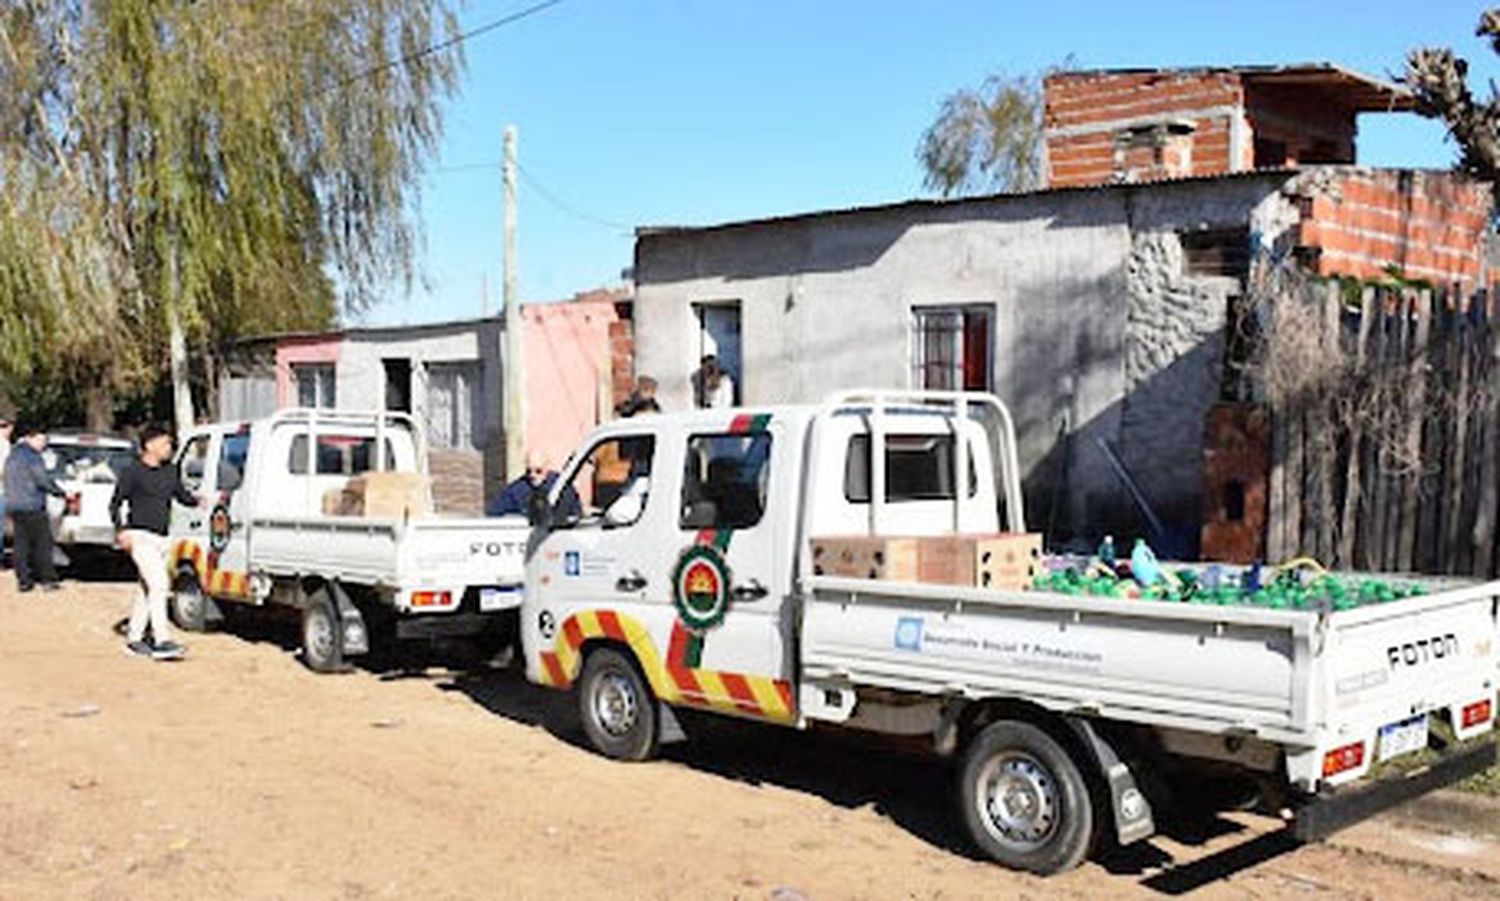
(726,579)
(228,512)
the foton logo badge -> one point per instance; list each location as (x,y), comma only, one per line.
(1424,650)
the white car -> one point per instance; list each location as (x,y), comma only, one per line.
(86,467)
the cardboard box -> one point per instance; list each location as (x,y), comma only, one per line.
(334,503)
(866,557)
(387,495)
(1006,562)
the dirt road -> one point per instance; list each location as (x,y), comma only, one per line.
(237,773)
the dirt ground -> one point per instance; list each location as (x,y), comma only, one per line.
(237,773)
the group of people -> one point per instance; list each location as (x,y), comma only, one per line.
(713,388)
(140,510)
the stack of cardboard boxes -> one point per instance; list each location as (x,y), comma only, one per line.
(379,495)
(1004,562)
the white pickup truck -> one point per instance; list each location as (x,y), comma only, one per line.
(1075,721)
(263,538)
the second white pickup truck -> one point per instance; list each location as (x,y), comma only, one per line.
(1074,720)
(263,538)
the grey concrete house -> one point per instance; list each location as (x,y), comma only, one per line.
(1099,314)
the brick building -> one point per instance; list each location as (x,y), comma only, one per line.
(1126,125)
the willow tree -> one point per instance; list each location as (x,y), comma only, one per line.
(174,174)
(985,139)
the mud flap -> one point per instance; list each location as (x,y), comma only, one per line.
(356,637)
(670,730)
(1132,812)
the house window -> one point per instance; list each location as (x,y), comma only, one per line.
(315,386)
(453,405)
(952,348)
(1216,252)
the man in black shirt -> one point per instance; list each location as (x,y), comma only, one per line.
(150,484)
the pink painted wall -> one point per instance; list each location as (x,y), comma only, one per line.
(293,351)
(567,373)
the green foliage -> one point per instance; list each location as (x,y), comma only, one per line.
(985,139)
(217,160)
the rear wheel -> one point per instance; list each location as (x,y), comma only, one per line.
(189,606)
(1024,800)
(322,636)
(617,707)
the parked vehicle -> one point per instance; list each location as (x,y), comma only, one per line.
(688,581)
(264,538)
(86,467)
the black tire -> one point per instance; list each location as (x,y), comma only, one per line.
(322,635)
(617,707)
(188,604)
(1023,799)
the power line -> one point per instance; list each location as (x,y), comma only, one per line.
(450,42)
(568,207)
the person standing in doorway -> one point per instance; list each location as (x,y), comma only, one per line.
(27,485)
(6,427)
(712,386)
(149,485)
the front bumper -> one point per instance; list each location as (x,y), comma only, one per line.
(1334,809)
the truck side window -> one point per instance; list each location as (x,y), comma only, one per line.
(724,485)
(611,486)
(917,468)
(338,455)
(193,464)
(233,451)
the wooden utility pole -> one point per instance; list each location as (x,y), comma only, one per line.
(514,363)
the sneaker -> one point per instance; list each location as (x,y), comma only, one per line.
(168,650)
(23,589)
(137,649)
(52,586)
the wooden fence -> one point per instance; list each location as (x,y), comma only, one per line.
(1387,459)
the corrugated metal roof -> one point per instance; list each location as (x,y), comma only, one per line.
(942,202)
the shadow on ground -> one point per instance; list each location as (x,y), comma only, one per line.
(850,770)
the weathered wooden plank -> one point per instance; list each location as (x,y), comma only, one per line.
(1454,478)
(1418,308)
(1472,409)
(1349,518)
(1393,432)
(1292,509)
(1276,501)
(1489,463)
(1326,441)
(1434,442)
(1377,480)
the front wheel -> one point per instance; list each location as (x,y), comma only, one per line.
(189,606)
(322,635)
(617,707)
(1024,800)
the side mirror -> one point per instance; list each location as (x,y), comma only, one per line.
(538,513)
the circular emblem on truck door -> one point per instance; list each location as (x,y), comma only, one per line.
(700,587)
(219,528)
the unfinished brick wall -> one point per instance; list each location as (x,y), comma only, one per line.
(621,359)
(1363,222)
(1236,476)
(1136,126)
(457,481)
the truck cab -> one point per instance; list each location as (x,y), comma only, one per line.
(686,539)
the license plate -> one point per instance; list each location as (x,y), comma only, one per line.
(1403,737)
(491,599)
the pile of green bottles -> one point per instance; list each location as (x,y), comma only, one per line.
(1287,590)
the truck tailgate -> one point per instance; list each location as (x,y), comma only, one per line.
(465,552)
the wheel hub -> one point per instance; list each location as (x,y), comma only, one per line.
(615,705)
(320,636)
(1018,800)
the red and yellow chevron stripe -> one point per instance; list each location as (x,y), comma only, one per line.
(221,583)
(747,695)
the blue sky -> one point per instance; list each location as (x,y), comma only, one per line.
(685,112)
